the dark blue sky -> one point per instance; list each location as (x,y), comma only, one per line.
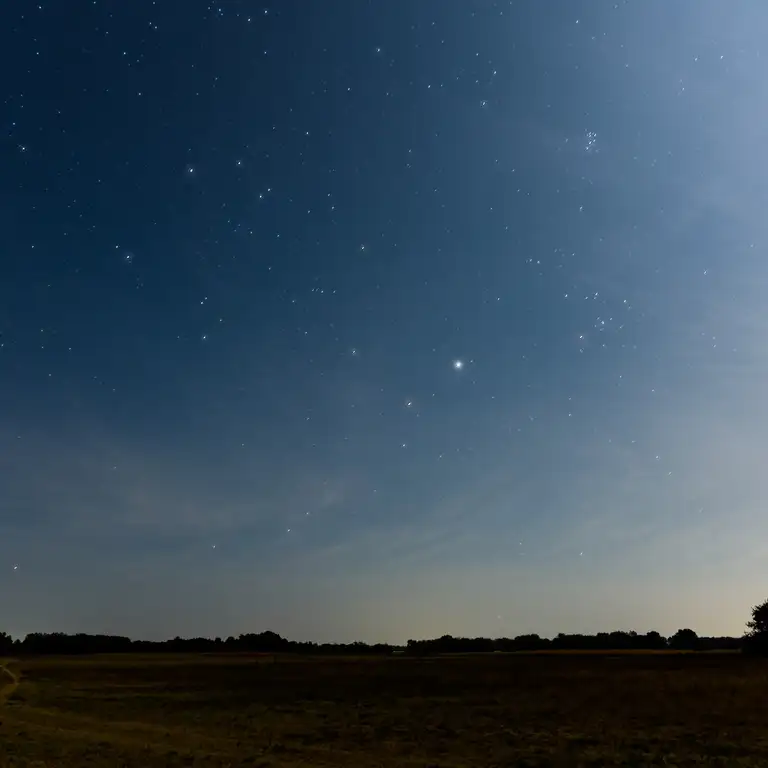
(376,320)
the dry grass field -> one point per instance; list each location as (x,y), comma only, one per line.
(483,710)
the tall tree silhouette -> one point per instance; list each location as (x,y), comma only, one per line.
(756,637)
(6,643)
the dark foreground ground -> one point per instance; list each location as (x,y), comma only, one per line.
(490,710)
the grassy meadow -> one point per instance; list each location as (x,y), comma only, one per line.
(549,709)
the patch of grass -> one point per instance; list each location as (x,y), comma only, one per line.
(553,709)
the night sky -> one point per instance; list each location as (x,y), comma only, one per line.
(379,319)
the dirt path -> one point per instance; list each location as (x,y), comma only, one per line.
(7,688)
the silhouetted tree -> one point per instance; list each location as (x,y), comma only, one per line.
(756,637)
(530,642)
(653,640)
(684,640)
(6,644)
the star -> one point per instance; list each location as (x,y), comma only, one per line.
(458,365)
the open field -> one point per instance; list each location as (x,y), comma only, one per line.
(482,710)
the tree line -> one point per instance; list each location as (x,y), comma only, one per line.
(755,640)
(270,643)
(682,640)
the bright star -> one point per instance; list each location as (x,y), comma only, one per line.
(458,364)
